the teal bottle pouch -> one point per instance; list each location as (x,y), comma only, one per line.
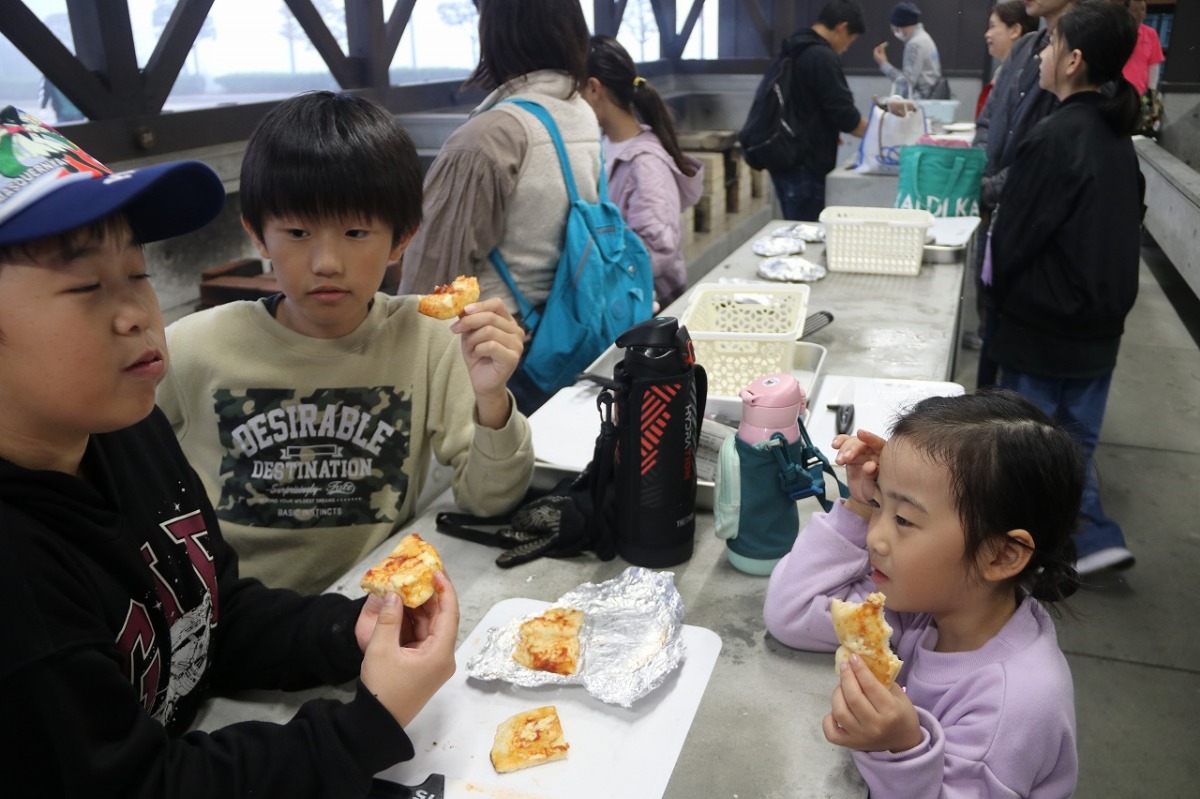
(757,490)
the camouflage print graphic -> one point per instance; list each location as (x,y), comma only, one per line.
(313,461)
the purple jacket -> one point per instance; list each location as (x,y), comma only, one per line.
(651,192)
(997,722)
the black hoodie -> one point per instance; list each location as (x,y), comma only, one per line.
(123,611)
(823,98)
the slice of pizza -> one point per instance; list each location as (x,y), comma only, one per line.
(529,739)
(447,302)
(408,571)
(863,631)
(550,642)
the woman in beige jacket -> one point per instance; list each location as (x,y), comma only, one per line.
(497,180)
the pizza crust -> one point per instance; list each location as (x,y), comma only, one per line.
(863,631)
(550,642)
(447,302)
(408,571)
(530,738)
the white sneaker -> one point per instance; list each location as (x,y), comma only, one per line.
(1108,558)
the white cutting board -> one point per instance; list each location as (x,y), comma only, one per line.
(877,404)
(615,751)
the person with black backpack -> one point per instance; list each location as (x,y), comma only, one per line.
(802,107)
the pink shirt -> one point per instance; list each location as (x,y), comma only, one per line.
(1146,53)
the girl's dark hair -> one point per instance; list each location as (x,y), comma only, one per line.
(1106,34)
(1012,12)
(517,37)
(1011,468)
(611,64)
(322,156)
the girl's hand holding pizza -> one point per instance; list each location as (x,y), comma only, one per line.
(868,717)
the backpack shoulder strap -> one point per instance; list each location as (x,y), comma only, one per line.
(547,121)
(529,316)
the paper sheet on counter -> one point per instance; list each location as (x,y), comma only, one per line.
(877,404)
(615,751)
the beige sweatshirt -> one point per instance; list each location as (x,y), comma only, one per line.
(313,451)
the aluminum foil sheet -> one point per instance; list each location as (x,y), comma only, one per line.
(791,269)
(808,232)
(631,639)
(776,244)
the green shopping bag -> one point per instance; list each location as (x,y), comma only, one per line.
(941,180)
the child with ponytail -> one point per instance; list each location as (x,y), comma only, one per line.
(963,519)
(1065,246)
(649,177)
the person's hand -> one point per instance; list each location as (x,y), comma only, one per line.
(880,53)
(900,106)
(404,675)
(860,453)
(369,615)
(492,343)
(868,717)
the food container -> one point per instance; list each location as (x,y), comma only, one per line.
(879,241)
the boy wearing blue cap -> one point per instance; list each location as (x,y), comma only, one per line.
(921,68)
(122,600)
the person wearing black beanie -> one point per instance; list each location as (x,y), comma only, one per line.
(921,74)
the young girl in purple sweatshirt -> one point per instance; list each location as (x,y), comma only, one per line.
(649,178)
(963,519)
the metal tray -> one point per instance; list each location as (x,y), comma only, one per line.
(939,254)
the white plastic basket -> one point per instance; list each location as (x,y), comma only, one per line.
(880,241)
(743,331)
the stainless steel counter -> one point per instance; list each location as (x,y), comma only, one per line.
(884,326)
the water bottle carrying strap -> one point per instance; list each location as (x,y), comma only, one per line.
(806,478)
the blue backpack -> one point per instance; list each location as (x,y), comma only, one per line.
(603,284)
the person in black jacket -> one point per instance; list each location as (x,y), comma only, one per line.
(823,100)
(123,609)
(1065,246)
(1015,106)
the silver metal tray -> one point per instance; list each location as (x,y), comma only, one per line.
(940,254)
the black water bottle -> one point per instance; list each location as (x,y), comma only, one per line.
(660,404)
(654,348)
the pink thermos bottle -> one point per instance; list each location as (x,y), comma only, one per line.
(771,404)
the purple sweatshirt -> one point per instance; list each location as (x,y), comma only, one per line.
(996,722)
(651,192)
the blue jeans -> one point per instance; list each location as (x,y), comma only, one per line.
(1078,405)
(801,193)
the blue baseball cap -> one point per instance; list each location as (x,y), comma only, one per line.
(49,186)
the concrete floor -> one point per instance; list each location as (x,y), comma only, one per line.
(1130,636)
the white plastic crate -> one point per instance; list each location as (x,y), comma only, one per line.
(880,241)
(744,331)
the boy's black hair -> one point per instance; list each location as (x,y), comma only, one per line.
(101,230)
(322,155)
(1011,468)
(517,37)
(836,12)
